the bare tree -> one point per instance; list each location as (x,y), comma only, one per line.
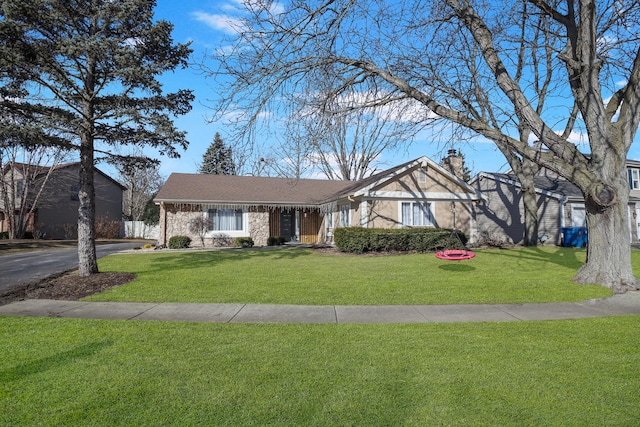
(289,157)
(24,173)
(199,225)
(142,180)
(341,137)
(411,49)
(348,139)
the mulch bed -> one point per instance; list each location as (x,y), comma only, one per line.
(66,286)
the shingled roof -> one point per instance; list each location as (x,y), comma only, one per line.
(554,186)
(251,190)
(182,188)
(558,186)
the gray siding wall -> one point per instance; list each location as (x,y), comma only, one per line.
(501,216)
(58,211)
(549,219)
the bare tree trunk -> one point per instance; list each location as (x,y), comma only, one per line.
(87,259)
(608,248)
(526,172)
(530,205)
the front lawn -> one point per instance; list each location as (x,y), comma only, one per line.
(305,276)
(72,372)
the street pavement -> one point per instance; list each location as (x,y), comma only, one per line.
(27,267)
(617,305)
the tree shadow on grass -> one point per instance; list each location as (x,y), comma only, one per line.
(188,260)
(51,362)
(564,257)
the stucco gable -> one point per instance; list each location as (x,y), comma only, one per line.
(421,178)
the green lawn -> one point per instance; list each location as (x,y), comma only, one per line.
(79,372)
(304,276)
(71,372)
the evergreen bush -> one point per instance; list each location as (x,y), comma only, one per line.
(244,242)
(179,242)
(276,241)
(360,240)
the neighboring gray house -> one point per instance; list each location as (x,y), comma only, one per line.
(56,213)
(560,204)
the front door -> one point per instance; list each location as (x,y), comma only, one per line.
(287,225)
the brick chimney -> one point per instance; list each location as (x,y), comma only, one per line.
(453,163)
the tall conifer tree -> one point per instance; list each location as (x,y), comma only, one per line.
(94,65)
(218,159)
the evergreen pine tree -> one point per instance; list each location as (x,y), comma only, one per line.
(92,69)
(218,159)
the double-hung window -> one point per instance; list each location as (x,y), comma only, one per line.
(329,219)
(345,220)
(417,214)
(225,219)
(634,179)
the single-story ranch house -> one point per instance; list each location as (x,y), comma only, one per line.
(418,193)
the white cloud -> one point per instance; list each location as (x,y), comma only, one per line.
(219,22)
(230,21)
(576,138)
(274,8)
(232,5)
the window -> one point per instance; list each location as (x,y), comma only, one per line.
(345,220)
(329,219)
(75,189)
(225,219)
(422,175)
(578,216)
(634,179)
(416,214)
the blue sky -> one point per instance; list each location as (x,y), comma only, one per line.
(203,23)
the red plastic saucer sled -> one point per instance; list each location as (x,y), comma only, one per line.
(455,254)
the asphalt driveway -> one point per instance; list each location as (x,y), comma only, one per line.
(27,267)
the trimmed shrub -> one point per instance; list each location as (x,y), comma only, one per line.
(179,242)
(222,241)
(360,240)
(4,235)
(106,229)
(276,241)
(244,242)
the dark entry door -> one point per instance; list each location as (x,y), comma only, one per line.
(287,225)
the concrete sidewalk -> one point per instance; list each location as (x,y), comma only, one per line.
(625,304)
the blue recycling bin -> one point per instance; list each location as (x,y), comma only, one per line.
(574,237)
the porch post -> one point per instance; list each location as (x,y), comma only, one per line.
(364,213)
